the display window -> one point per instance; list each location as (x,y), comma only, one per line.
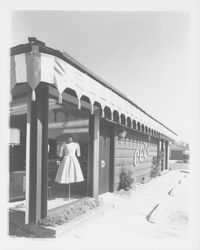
(68,138)
(64,121)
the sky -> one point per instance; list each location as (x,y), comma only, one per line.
(144,54)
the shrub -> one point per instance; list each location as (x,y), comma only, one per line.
(142,180)
(126,179)
(156,166)
(61,219)
(69,213)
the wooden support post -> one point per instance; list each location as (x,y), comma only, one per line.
(167,155)
(158,146)
(96,153)
(159,149)
(112,160)
(90,156)
(162,152)
(45,119)
(93,155)
(38,155)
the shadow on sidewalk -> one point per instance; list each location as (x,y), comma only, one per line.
(17,227)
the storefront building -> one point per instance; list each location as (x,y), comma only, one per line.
(53,97)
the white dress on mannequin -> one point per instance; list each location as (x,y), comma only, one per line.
(69,170)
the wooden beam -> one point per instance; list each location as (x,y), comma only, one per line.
(69,124)
(33,164)
(38,155)
(96,132)
(162,150)
(90,157)
(158,146)
(45,119)
(167,155)
(112,158)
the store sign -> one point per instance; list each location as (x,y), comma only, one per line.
(140,155)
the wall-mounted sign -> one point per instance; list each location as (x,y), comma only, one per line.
(24,183)
(140,155)
(14,136)
(102,164)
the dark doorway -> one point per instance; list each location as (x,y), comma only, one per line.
(104,159)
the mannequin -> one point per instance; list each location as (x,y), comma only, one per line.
(69,170)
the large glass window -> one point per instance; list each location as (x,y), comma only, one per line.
(65,120)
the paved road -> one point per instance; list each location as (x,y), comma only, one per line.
(179,166)
(155,210)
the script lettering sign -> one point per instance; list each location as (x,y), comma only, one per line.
(140,155)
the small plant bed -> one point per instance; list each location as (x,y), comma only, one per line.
(70,213)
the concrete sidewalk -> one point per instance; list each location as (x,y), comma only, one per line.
(128,218)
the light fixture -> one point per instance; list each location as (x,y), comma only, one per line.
(122,134)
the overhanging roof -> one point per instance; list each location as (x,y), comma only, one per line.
(34,62)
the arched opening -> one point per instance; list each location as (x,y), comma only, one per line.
(143,128)
(115,116)
(129,122)
(70,92)
(123,119)
(134,124)
(107,113)
(138,126)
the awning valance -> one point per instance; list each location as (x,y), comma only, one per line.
(35,67)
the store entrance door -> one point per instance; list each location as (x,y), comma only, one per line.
(104,159)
